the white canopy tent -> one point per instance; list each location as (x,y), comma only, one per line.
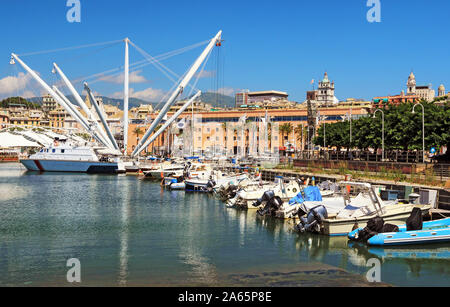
(8,140)
(37,137)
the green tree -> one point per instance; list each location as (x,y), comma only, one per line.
(286,129)
(8,102)
(403,129)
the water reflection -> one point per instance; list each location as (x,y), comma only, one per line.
(131,232)
(192,252)
(124,235)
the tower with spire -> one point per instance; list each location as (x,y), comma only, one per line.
(411,84)
(325,91)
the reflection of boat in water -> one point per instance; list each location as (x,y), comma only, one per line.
(436,251)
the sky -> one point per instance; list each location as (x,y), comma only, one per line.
(268,45)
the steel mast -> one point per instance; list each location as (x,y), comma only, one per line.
(191,72)
(125,98)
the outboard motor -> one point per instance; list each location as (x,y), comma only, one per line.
(265,198)
(273,204)
(374,226)
(313,221)
(231,191)
(211,184)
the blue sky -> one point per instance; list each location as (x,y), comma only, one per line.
(278,45)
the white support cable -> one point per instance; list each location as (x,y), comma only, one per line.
(136,65)
(156,63)
(160,66)
(70,48)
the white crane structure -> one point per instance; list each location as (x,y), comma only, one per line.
(97,126)
(62,101)
(85,108)
(79,117)
(126,93)
(184,82)
(100,115)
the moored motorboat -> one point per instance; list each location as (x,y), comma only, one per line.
(357,211)
(430,232)
(62,157)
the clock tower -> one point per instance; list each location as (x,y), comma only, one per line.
(411,84)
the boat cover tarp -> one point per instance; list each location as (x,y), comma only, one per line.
(311,194)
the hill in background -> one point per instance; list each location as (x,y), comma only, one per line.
(216,100)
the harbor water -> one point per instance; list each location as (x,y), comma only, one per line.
(131,232)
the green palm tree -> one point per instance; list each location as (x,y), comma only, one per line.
(286,129)
(137,131)
(298,130)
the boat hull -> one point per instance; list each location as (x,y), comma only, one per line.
(432,232)
(197,186)
(70,166)
(342,227)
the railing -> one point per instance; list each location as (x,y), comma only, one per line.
(356,155)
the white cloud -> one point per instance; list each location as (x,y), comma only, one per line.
(205,74)
(12,85)
(149,94)
(228,91)
(134,77)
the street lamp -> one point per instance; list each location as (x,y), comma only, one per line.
(382,129)
(423,128)
(324,118)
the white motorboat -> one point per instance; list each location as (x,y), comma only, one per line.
(62,157)
(246,198)
(350,212)
(165,170)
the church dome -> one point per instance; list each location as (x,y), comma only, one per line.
(441,87)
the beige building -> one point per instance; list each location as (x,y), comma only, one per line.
(424,92)
(142,112)
(441,91)
(48,103)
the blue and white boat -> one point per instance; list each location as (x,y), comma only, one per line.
(432,232)
(67,158)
